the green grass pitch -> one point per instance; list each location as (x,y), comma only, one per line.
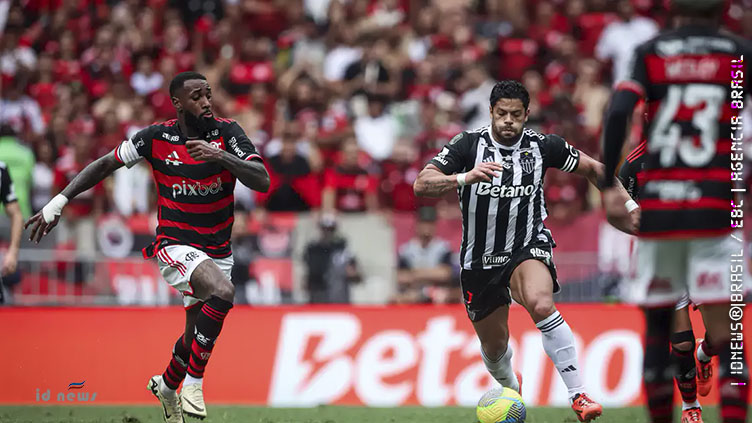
(324,414)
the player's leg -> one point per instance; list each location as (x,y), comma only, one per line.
(487,300)
(211,285)
(657,278)
(495,350)
(733,384)
(682,354)
(710,285)
(181,353)
(532,286)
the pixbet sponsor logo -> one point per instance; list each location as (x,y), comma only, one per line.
(198,189)
(503,191)
(325,358)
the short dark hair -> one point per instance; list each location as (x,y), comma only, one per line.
(179,80)
(510,89)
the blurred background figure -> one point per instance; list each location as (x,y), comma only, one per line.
(425,273)
(330,266)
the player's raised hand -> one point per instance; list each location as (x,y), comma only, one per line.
(614,199)
(39,227)
(483,172)
(201,150)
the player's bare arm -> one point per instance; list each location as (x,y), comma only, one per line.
(251,173)
(46,219)
(10,260)
(614,203)
(432,182)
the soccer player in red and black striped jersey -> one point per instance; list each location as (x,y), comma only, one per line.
(196,160)
(682,337)
(689,78)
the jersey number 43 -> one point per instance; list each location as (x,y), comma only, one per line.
(705,101)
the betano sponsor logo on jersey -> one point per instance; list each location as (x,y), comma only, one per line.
(197,188)
(503,191)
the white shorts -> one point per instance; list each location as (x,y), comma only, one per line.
(663,271)
(177,263)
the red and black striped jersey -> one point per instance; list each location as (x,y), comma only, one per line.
(195,202)
(689,78)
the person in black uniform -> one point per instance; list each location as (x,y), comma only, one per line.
(507,252)
(692,79)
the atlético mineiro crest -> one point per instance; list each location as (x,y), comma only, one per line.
(527,161)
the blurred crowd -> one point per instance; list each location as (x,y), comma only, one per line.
(346,99)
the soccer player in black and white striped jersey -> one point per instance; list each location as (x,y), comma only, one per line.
(506,249)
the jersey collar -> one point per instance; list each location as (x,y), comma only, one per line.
(514,146)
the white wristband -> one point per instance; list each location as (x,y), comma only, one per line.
(461,179)
(631,205)
(54,208)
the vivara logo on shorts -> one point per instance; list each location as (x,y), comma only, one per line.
(503,191)
(197,188)
(496,260)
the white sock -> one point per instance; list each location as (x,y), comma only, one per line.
(190,380)
(701,354)
(558,342)
(688,405)
(501,369)
(165,390)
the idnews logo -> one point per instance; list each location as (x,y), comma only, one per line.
(74,393)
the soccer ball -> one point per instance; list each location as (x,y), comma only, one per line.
(501,405)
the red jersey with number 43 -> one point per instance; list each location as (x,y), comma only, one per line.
(195,202)
(691,79)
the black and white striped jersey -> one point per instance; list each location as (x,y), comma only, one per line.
(507,214)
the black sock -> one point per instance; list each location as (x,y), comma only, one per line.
(175,372)
(208,325)
(684,360)
(658,374)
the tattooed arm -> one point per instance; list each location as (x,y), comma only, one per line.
(432,182)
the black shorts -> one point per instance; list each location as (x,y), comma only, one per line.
(486,290)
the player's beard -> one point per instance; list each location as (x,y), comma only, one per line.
(202,125)
(507,140)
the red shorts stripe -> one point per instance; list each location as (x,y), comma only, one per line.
(712,174)
(170,263)
(177,263)
(701,203)
(197,229)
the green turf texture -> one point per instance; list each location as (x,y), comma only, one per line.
(324,414)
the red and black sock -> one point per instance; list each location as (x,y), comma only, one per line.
(657,369)
(208,325)
(682,354)
(733,383)
(175,372)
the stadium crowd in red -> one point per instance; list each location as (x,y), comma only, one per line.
(346,99)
